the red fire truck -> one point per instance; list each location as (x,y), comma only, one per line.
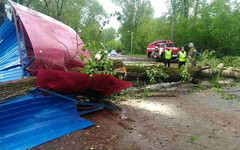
(155,49)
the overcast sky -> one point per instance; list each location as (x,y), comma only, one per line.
(160,7)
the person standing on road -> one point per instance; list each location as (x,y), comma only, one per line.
(192,55)
(182,57)
(167,57)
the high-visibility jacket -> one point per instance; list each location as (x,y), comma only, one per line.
(182,56)
(168,54)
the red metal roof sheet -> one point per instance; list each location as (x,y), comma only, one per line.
(54,45)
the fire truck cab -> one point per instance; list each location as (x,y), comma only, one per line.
(155,49)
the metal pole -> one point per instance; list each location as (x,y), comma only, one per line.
(21,27)
(19,43)
(131,42)
(24,42)
(74,100)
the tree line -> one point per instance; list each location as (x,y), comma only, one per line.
(209,25)
(212,25)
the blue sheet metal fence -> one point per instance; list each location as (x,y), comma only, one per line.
(32,120)
(10,65)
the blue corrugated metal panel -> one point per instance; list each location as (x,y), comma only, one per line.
(10,66)
(88,111)
(33,121)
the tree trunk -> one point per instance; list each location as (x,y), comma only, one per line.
(135,73)
(196,10)
(173,3)
(16,88)
(186,8)
(172,31)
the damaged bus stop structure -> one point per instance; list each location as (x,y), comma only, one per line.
(41,46)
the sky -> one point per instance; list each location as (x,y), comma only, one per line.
(159,6)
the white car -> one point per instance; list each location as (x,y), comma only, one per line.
(113,53)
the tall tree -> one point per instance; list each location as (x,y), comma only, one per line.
(19,1)
(133,14)
(107,35)
(174,10)
(84,16)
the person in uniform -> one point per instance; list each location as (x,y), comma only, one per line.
(182,57)
(192,55)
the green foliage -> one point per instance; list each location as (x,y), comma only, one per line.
(156,72)
(102,66)
(84,16)
(134,13)
(107,35)
(208,58)
(217,89)
(124,95)
(199,88)
(186,76)
(145,92)
(194,138)
(231,61)
(208,24)
(211,121)
(214,24)
(139,65)
(228,96)
(138,55)
(114,45)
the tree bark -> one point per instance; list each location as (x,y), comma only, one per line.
(173,3)
(135,73)
(185,5)
(196,10)
(16,88)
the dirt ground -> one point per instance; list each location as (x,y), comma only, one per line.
(176,119)
(169,120)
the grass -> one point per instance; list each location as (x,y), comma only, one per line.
(194,138)
(215,89)
(228,96)
(139,55)
(199,88)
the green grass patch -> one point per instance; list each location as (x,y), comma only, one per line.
(138,55)
(228,96)
(194,138)
(215,89)
(199,88)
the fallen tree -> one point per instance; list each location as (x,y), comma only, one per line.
(226,72)
(134,74)
(139,73)
(15,88)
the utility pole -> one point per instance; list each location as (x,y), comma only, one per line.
(19,43)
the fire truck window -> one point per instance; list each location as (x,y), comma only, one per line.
(170,45)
